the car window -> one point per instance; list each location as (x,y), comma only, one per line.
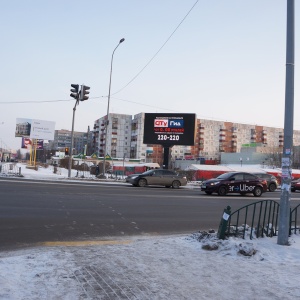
(167,172)
(249,177)
(148,172)
(259,175)
(158,172)
(237,177)
(224,176)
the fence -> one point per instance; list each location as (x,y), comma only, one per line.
(257,219)
(10,169)
(294,220)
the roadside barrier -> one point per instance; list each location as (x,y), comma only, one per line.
(258,219)
(10,169)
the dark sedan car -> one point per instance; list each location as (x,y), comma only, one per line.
(295,185)
(272,181)
(163,177)
(235,182)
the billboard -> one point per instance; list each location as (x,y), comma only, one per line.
(35,129)
(169,129)
(42,130)
(27,144)
(23,127)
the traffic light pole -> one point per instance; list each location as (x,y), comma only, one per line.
(72,140)
(81,95)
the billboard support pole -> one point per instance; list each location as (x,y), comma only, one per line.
(72,140)
(166,157)
(30,152)
(35,146)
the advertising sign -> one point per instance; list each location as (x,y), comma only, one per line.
(169,129)
(23,127)
(42,130)
(35,129)
(27,144)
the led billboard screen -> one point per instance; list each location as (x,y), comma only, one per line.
(169,129)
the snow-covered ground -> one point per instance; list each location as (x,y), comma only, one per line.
(152,267)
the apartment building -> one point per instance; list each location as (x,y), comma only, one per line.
(62,140)
(118,137)
(125,137)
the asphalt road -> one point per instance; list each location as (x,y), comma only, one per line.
(38,211)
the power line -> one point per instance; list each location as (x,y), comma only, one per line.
(158,50)
(145,104)
(30,101)
(43,101)
(49,101)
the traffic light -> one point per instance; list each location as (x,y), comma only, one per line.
(66,151)
(74,91)
(84,93)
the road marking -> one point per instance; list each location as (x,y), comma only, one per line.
(84,243)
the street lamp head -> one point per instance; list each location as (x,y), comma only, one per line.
(121,40)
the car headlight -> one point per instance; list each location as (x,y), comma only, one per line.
(215,183)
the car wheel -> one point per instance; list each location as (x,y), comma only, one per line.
(272,187)
(142,182)
(222,190)
(168,186)
(293,190)
(257,191)
(208,193)
(176,184)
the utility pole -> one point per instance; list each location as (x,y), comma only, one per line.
(286,162)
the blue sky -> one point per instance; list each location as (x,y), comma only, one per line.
(226,60)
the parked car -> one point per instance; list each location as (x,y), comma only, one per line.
(272,181)
(235,182)
(163,177)
(295,185)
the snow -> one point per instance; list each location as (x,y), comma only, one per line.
(151,267)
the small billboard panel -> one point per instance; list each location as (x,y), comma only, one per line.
(27,144)
(42,130)
(169,129)
(23,127)
(35,129)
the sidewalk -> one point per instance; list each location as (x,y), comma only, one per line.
(170,267)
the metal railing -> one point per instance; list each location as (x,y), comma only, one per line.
(294,225)
(10,169)
(258,219)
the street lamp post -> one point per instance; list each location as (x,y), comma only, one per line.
(108,101)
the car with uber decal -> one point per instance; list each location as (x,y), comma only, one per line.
(235,182)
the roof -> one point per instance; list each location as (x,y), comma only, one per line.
(239,168)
